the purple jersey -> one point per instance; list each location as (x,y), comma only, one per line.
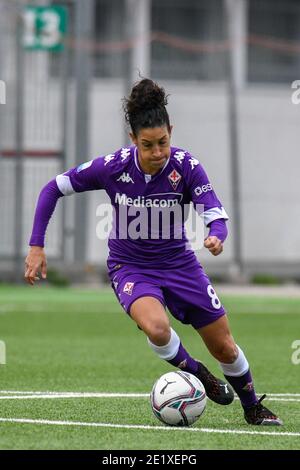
(182,180)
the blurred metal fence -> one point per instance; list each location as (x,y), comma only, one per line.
(181,40)
(187,38)
(36,173)
(32,131)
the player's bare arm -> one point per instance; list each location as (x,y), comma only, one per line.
(35,264)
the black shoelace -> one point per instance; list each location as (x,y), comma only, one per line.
(258,410)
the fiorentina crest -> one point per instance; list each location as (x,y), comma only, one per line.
(174,178)
(128,288)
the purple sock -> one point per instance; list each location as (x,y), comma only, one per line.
(244,388)
(184,361)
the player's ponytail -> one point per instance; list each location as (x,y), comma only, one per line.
(146,106)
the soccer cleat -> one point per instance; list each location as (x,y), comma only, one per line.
(217,390)
(259,415)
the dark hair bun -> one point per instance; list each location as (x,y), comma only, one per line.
(146,94)
(146,105)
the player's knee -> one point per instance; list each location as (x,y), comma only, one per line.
(226,352)
(159,333)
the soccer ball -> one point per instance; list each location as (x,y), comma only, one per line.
(178,398)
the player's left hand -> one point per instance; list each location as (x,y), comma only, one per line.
(214,245)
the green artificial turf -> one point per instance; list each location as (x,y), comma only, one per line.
(71,340)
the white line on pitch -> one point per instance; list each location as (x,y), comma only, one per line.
(282,399)
(74,395)
(143,427)
(60,396)
(108,394)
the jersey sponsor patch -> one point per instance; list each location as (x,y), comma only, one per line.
(83,166)
(128,288)
(202,189)
(174,178)
(152,200)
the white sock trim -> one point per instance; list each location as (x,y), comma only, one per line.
(169,350)
(238,368)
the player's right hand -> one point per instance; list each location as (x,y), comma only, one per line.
(35,263)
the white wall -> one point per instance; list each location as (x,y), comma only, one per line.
(270,130)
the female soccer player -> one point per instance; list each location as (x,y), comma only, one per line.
(148,270)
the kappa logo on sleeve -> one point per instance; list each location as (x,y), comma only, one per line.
(108,158)
(193,162)
(128,288)
(125,152)
(179,155)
